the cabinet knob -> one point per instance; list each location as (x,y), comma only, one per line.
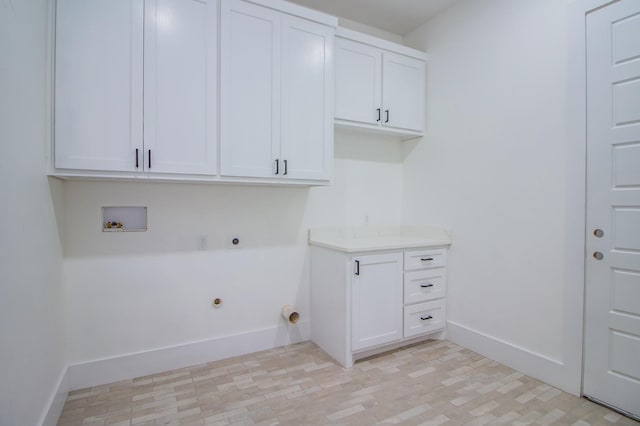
(425,318)
(598,233)
(598,255)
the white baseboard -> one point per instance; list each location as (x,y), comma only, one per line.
(56,401)
(538,366)
(109,370)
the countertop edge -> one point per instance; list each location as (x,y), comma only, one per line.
(382,247)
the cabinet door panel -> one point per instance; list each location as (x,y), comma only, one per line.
(180,86)
(307,105)
(98,84)
(403,92)
(250,89)
(358,82)
(376,300)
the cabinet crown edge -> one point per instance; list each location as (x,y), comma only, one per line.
(299,11)
(381,43)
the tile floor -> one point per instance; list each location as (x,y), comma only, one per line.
(432,383)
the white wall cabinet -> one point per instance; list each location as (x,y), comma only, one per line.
(367,302)
(135,86)
(379,85)
(276,94)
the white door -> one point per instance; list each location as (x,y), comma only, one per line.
(358,82)
(376,300)
(98,84)
(180,81)
(249,90)
(612,305)
(307,104)
(403,88)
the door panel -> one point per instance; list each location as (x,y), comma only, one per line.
(307,105)
(98,84)
(376,300)
(612,310)
(358,82)
(403,86)
(180,85)
(250,89)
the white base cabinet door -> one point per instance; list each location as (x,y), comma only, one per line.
(376,300)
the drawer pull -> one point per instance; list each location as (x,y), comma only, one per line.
(426,285)
(428,317)
(426,259)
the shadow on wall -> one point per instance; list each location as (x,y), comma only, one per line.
(181,217)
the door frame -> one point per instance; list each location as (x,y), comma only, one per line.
(576,210)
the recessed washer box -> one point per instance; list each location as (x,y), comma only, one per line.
(124,219)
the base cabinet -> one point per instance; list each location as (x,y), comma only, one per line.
(367,302)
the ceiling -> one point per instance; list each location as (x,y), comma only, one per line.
(396,16)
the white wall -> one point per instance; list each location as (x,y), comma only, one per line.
(31,297)
(493,168)
(131,292)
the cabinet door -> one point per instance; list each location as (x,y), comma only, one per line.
(250,90)
(376,300)
(180,82)
(358,82)
(98,84)
(307,104)
(403,92)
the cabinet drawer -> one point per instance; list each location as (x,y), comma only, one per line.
(422,259)
(424,318)
(420,286)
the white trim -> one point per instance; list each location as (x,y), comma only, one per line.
(528,362)
(109,370)
(575,219)
(56,401)
(300,11)
(380,43)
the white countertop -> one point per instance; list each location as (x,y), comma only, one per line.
(376,238)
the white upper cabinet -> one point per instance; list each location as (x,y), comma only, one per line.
(98,84)
(276,94)
(379,85)
(180,83)
(358,82)
(135,86)
(250,89)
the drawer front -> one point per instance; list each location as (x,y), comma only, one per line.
(424,318)
(424,285)
(422,259)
